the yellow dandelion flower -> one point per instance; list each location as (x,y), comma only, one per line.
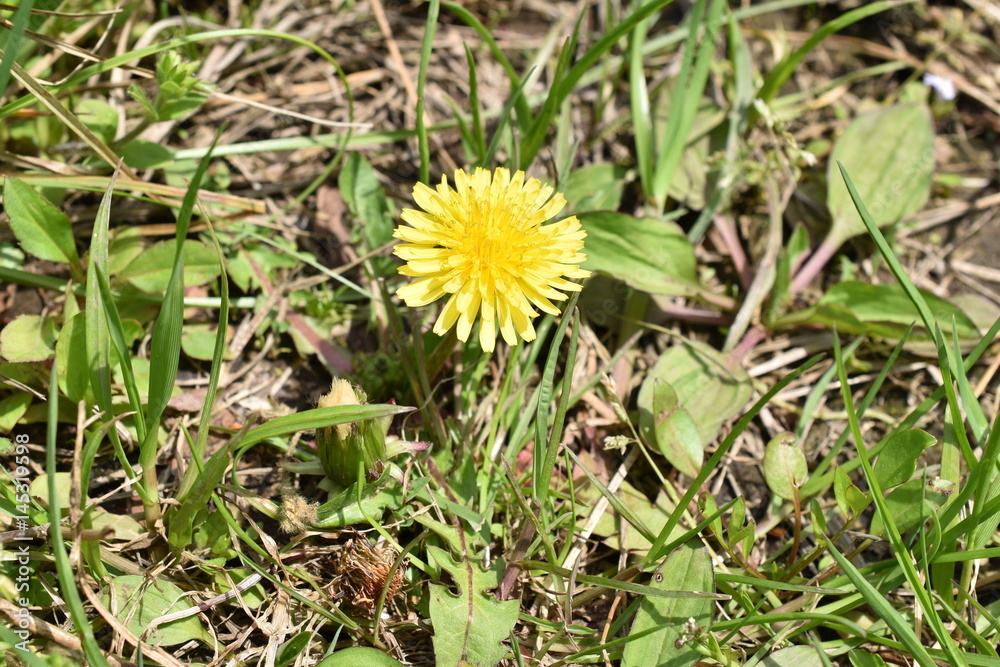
(484,243)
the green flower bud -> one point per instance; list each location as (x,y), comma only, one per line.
(342,447)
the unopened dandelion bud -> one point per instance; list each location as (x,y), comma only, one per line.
(344,446)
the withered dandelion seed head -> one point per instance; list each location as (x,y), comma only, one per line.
(484,243)
(363,571)
(297,513)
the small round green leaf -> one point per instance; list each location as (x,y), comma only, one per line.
(151,270)
(898,459)
(785,468)
(27,338)
(357,656)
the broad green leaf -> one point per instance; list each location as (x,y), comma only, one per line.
(596,187)
(888,302)
(41,228)
(744,538)
(356,656)
(121,527)
(890,155)
(850,499)
(818,518)
(13,408)
(127,243)
(255,256)
(142,154)
(39,488)
(707,390)
(71,358)
(469,627)
(99,116)
(687,568)
(138,601)
(861,658)
(11,256)
(150,271)
(648,254)
(794,656)
(908,505)
(785,468)
(898,459)
(198,341)
(708,509)
(677,435)
(882,310)
(27,338)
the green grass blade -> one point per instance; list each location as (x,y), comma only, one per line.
(922,308)
(973,410)
(687,95)
(539,480)
(11,44)
(426,47)
(165,347)
(477,131)
(884,610)
(642,117)
(532,142)
(623,510)
(558,422)
(614,584)
(818,478)
(491,150)
(816,394)
(589,59)
(524,116)
(780,74)
(64,570)
(900,551)
(98,329)
(117,335)
(198,448)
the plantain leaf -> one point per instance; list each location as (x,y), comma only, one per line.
(138,601)
(648,254)
(890,155)
(687,568)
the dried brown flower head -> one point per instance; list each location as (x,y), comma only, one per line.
(363,572)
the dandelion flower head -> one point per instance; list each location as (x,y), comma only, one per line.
(485,244)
